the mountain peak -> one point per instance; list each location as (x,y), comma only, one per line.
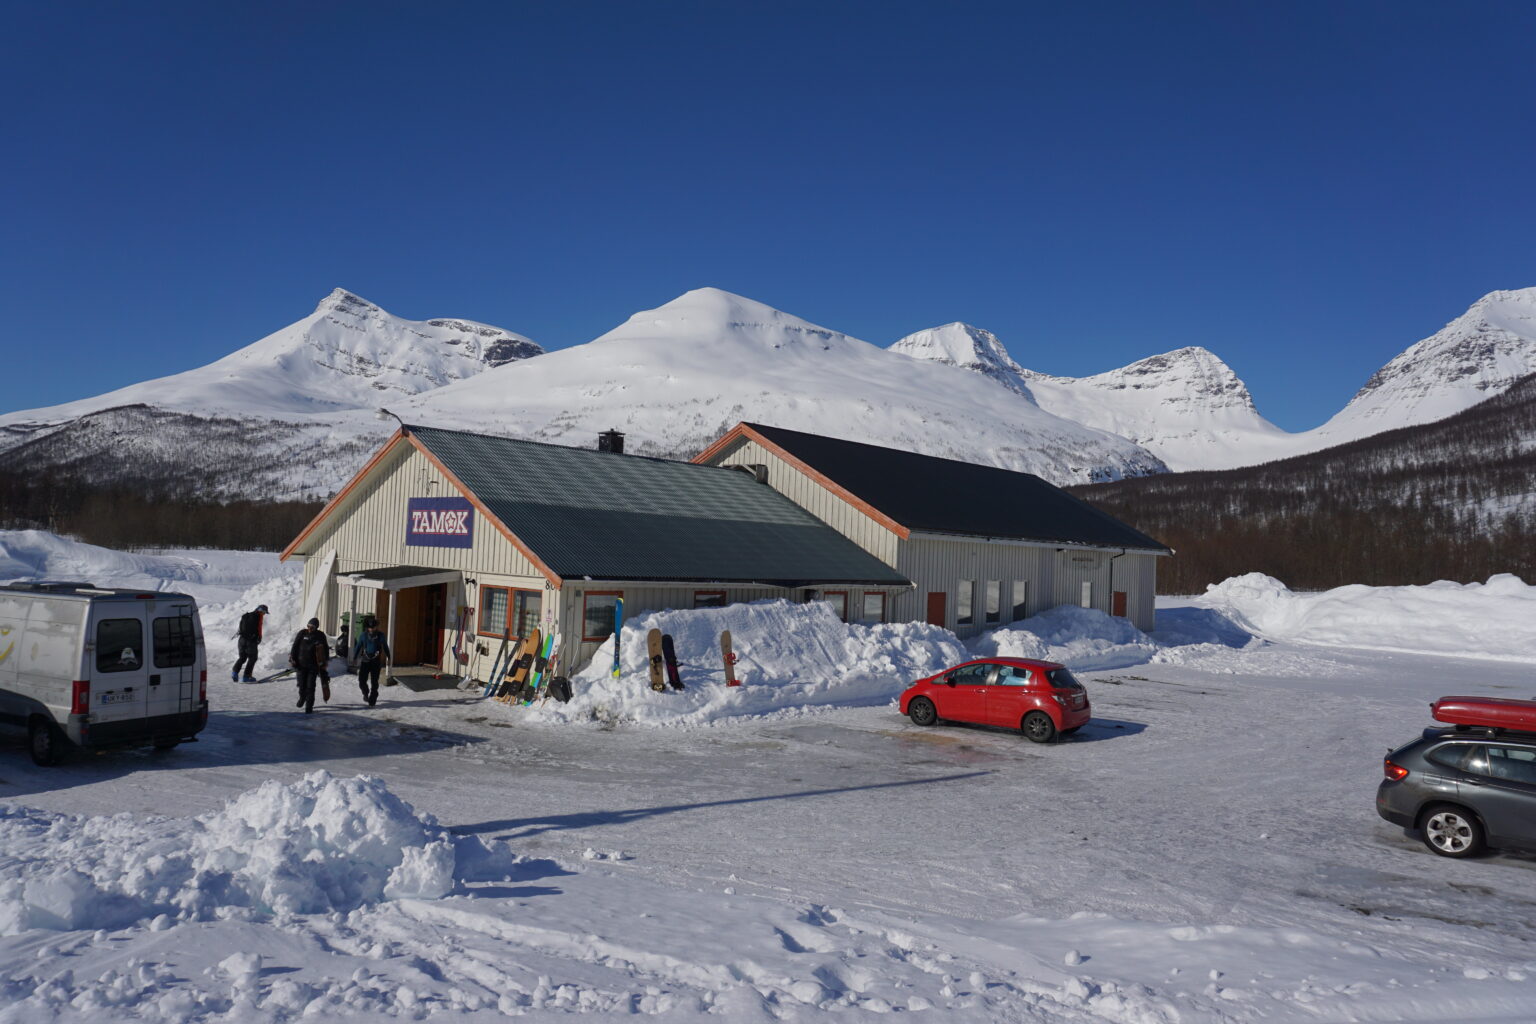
(342,301)
(715,317)
(968,347)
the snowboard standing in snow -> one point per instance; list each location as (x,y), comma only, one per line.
(669,655)
(540,667)
(618,624)
(653,649)
(729,657)
(519,667)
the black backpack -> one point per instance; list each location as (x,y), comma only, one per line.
(250,625)
(307,643)
(560,689)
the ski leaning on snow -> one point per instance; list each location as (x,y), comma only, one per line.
(729,657)
(669,655)
(618,624)
(495,676)
(551,666)
(654,659)
(276,675)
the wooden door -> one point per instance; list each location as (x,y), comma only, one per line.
(936,610)
(1117,603)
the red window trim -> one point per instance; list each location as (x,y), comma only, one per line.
(584,596)
(698,593)
(506,627)
(828,593)
(485,603)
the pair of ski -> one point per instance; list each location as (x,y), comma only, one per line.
(663,658)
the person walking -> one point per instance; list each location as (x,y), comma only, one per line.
(371,652)
(308,658)
(248,640)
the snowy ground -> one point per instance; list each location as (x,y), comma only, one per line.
(1207,849)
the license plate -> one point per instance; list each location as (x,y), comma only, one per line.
(114,698)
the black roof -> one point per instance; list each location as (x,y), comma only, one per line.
(927,493)
(605,516)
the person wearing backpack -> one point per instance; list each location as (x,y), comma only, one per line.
(371,652)
(249,639)
(308,657)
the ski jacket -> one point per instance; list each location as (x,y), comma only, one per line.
(371,647)
(250,626)
(309,650)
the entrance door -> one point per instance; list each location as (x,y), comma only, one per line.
(434,608)
(936,611)
(1117,604)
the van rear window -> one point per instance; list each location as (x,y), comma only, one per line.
(175,646)
(119,645)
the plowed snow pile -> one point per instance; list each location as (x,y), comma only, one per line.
(318,845)
(1496,619)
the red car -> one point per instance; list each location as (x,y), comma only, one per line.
(1040,698)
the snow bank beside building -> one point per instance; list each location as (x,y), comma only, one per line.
(1496,619)
(319,845)
(791,656)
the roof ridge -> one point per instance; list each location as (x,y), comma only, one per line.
(414,427)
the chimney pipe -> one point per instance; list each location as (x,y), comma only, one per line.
(611,441)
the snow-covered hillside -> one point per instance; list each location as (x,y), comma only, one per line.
(1477,355)
(348,354)
(676,377)
(1191,410)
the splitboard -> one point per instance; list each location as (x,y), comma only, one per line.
(729,657)
(653,649)
(519,667)
(540,667)
(669,655)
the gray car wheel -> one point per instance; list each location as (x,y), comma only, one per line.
(922,711)
(1037,726)
(1452,831)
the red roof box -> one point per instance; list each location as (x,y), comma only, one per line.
(1488,712)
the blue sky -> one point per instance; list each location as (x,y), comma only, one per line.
(1303,188)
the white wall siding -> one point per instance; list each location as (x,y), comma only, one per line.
(938,565)
(837,513)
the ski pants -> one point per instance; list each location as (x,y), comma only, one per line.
(368,678)
(247,659)
(307,677)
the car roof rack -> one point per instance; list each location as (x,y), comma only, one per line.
(1484,732)
(49,586)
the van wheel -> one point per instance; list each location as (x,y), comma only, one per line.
(1452,831)
(166,742)
(44,742)
(1037,726)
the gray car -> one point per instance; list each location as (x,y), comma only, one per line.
(1464,790)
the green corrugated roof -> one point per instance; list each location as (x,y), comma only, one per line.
(588,513)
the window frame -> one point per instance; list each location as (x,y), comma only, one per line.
(190,649)
(965,603)
(724,598)
(864,606)
(826,596)
(485,605)
(586,597)
(139,647)
(992,601)
(1020,594)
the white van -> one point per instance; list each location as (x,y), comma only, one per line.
(95,667)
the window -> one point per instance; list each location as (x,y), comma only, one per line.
(493,611)
(1012,675)
(175,643)
(527,607)
(971,675)
(505,612)
(1020,600)
(709,599)
(1513,764)
(597,614)
(119,645)
(965,597)
(994,600)
(874,607)
(838,599)
(1087,594)
(1450,755)
(1063,679)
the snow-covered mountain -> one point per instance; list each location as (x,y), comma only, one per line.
(676,377)
(348,354)
(1186,407)
(1477,355)
(1189,408)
